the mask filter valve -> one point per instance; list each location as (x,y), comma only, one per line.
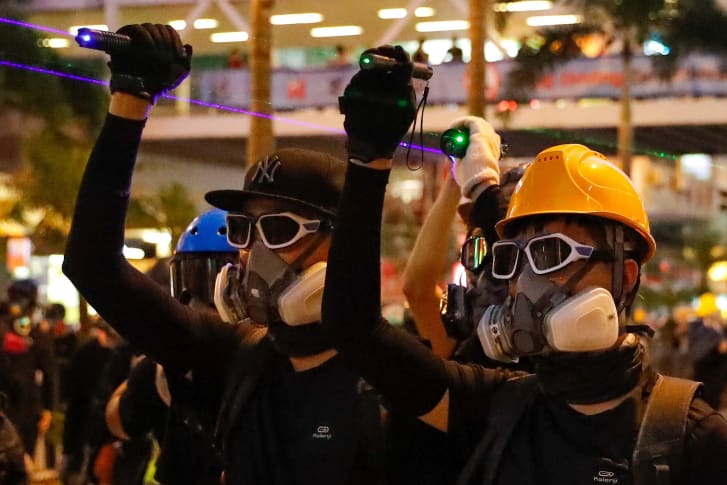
(492,333)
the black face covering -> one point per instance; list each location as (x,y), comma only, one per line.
(298,341)
(266,277)
(590,377)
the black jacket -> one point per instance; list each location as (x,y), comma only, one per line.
(552,444)
(182,339)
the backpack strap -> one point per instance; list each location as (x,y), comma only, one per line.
(248,367)
(508,406)
(659,453)
(370,425)
(181,390)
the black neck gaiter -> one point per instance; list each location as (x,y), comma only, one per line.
(299,340)
(590,377)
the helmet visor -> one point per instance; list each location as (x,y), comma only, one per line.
(193,275)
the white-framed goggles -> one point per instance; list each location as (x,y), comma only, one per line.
(546,254)
(276,230)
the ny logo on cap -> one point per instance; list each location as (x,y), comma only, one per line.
(266,169)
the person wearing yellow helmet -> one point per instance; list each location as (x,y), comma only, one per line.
(571,248)
(707,305)
(573,239)
(707,343)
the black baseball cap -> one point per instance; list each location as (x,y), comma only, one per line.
(306,177)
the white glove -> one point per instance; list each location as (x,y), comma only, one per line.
(478,169)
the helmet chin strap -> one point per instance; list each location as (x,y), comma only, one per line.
(622,298)
(617,278)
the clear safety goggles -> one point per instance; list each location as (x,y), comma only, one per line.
(546,254)
(473,252)
(276,231)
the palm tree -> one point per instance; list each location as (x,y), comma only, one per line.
(476,92)
(684,25)
(260,138)
(481,19)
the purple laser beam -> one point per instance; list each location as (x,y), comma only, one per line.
(28,25)
(52,73)
(232,109)
(221,107)
(191,101)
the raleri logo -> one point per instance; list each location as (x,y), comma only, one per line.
(323,433)
(605,476)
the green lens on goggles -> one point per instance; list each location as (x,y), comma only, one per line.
(473,253)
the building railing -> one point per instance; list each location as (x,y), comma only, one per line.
(583,78)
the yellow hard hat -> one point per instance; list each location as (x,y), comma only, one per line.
(707,305)
(573,179)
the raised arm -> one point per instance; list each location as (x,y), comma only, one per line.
(426,262)
(379,107)
(131,302)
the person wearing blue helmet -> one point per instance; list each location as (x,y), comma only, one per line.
(201,252)
(291,409)
(166,403)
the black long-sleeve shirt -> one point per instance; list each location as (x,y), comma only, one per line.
(552,444)
(301,427)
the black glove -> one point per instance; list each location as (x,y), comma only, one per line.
(379,106)
(155,63)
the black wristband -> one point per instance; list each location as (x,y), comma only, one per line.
(133,85)
(366,152)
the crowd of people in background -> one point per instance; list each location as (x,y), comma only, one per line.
(55,381)
(267,355)
(59,420)
(691,342)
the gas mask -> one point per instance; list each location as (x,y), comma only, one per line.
(542,317)
(269,292)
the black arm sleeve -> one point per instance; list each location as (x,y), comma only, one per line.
(140,407)
(138,308)
(401,368)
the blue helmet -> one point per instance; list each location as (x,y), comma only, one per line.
(202,251)
(207,233)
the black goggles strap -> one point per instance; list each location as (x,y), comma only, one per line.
(548,298)
(317,240)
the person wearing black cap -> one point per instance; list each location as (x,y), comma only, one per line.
(292,410)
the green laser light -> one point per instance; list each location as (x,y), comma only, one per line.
(454,142)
